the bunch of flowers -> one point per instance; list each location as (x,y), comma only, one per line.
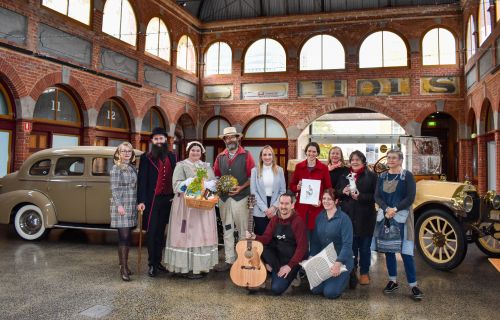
(226,183)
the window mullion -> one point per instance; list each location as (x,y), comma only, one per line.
(439,47)
(56,98)
(265,56)
(383,49)
(159,36)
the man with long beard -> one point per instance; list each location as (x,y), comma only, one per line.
(154,196)
(235,161)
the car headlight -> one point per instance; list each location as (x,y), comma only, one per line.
(463,202)
(468,203)
(493,199)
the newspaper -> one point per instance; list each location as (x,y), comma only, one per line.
(318,267)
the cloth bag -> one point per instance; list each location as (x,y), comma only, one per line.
(389,236)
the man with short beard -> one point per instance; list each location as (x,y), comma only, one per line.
(235,161)
(154,196)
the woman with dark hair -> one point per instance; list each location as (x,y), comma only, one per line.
(191,247)
(123,202)
(311,168)
(395,194)
(357,189)
(267,183)
(333,226)
(336,165)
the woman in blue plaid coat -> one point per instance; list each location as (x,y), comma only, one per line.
(123,202)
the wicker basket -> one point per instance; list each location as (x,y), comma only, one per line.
(202,204)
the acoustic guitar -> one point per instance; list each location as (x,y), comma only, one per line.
(248,270)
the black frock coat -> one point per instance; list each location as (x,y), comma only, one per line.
(146,182)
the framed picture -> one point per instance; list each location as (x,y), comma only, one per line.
(309,191)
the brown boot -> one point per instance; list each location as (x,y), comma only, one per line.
(364,279)
(126,262)
(123,271)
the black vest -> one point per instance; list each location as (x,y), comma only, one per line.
(237,169)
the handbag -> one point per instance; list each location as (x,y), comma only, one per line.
(389,236)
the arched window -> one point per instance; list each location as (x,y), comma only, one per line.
(265,128)
(112,116)
(152,119)
(78,10)
(119,21)
(383,49)
(7,127)
(215,127)
(322,52)
(55,104)
(497,5)
(490,125)
(484,21)
(218,59)
(186,55)
(5,106)
(157,39)
(438,47)
(470,41)
(265,55)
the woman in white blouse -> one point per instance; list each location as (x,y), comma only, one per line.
(267,183)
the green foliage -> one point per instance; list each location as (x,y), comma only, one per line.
(196,186)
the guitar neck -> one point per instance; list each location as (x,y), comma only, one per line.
(250,220)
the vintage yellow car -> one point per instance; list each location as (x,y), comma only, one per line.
(448,215)
(58,188)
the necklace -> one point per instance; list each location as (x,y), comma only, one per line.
(390,182)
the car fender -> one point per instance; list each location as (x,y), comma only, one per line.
(10,200)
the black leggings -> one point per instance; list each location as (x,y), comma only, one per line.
(124,236)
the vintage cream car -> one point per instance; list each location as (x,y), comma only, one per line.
(448,215)
(58,188)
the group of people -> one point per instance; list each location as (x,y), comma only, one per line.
(291,231)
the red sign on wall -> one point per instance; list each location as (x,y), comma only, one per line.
(28,126)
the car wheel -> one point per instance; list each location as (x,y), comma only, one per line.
(490,244)
(440,239)
(29,223)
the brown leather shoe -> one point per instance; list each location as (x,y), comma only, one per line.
(364,279)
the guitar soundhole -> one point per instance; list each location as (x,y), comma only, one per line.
(248,254)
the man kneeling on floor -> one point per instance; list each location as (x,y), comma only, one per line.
(285,244)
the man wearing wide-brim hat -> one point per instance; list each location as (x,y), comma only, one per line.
(235,161)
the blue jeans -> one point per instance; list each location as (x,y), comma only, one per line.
(409,263)
(361,248)
(333,287)
(279,284)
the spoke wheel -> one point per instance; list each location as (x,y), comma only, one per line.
(381,165)
(490,244)
(440,239)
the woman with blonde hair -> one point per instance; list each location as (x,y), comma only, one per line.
(267,183)
(336,165)
(123,202)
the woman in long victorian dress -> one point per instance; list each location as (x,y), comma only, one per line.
(191,248)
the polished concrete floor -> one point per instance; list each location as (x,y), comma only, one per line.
(74,275)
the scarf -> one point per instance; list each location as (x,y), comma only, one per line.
(357,172)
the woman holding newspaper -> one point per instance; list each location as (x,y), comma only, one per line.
(333,226)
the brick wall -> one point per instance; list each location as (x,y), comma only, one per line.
(26,74)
